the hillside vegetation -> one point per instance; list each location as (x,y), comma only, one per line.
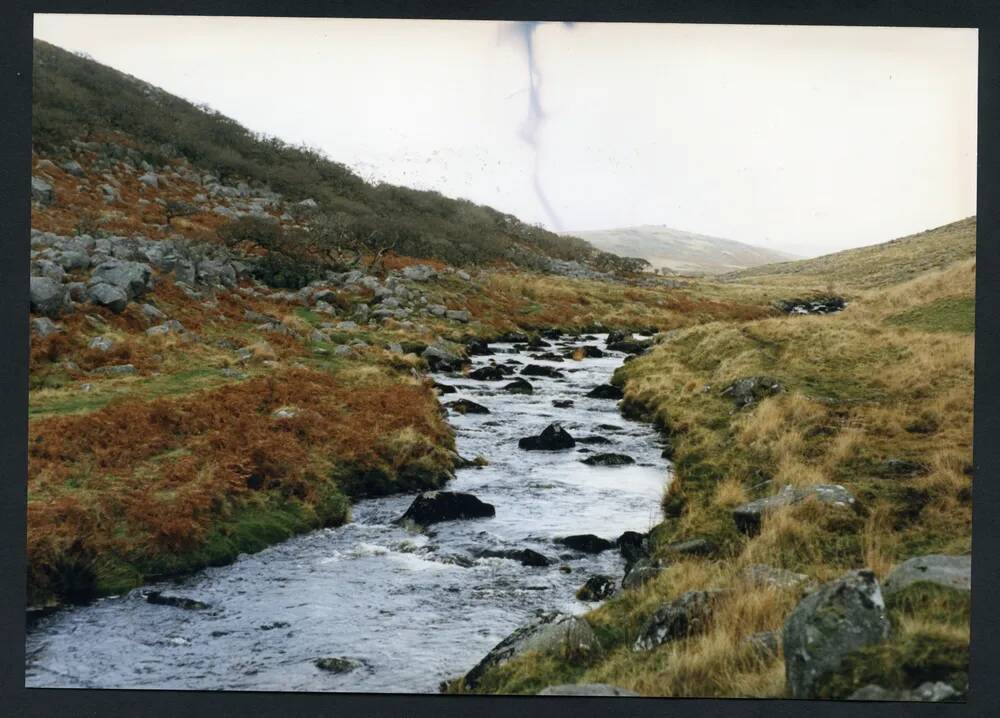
(78,99)
(879,265)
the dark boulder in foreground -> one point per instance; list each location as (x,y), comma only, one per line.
(525,556)
(588,689)
(608,460)
(587,543)
(597,588)
(539,370)
(519,386)
(841,617)
(432,507)
(188,604)
(605,391)
(552,438)
(682,617)
(633,546)
(570,636)
(464,406)
(749,390)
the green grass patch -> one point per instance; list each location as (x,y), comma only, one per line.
(951,314)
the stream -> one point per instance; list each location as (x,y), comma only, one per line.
(411,608)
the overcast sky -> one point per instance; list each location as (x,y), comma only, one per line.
(803,139)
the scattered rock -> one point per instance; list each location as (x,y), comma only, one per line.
(115,370)
(682,617)
(490,372)
(586,543)
(441,358)
(597,588)
(748,517)
(465,406)
(41,191)
(109,296)
(692,547)
(150,180)
(434,506)
(458,315)
(819,305)
(569,635)
(44,327)
(538,370)
(605,391)
(841,617)
(749,390)
(761,575)
(588,689)
(608,460)
(953,572)
(101,344)
(162,599)
(519,386)
(151,312)
(171,326)
(133,278)
(642,571)
(562,403)
(525,556)
(552,438)
(47,296)
(419,273)
(73,167)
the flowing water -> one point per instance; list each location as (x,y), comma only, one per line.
(413,608)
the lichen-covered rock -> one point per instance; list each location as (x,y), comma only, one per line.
(44,327)
(749,390)
(47,296)
(41,191)
(597,588)
(570,635)
(641,572)
(762,575)
(827,625)
(953,572)
(133,278)
(748,517)
(684,616)
(108,296)
(440,358)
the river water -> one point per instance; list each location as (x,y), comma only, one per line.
(412,608)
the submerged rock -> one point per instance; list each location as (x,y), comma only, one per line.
(434,506)
(490,372)
(569,635)
(605,391)
(562,403)
(337,664)
(444,388)
(841,617)
(525,556)
(587,543)
(539,370)
(608,460)
(162,599)
(552,438)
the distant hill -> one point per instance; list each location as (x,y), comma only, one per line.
(680,251)
(878,265)
(77,99)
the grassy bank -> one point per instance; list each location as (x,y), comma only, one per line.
(890,378)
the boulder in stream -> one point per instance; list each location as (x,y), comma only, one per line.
(434,506)
(465,406)
(490,372)
(597,588)
(337,664)
(539,370)
(608,460)
(519,386)
(587,543)
(162,599)
(605,391)
(525,556)
(552,438)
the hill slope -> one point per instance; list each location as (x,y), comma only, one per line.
(878,265)
(680,251)
(75,98)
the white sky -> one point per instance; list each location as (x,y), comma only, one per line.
(803,139)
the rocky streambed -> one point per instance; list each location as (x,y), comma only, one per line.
(386,605)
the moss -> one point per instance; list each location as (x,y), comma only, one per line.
(901,663)
(930,602)
(951,314)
